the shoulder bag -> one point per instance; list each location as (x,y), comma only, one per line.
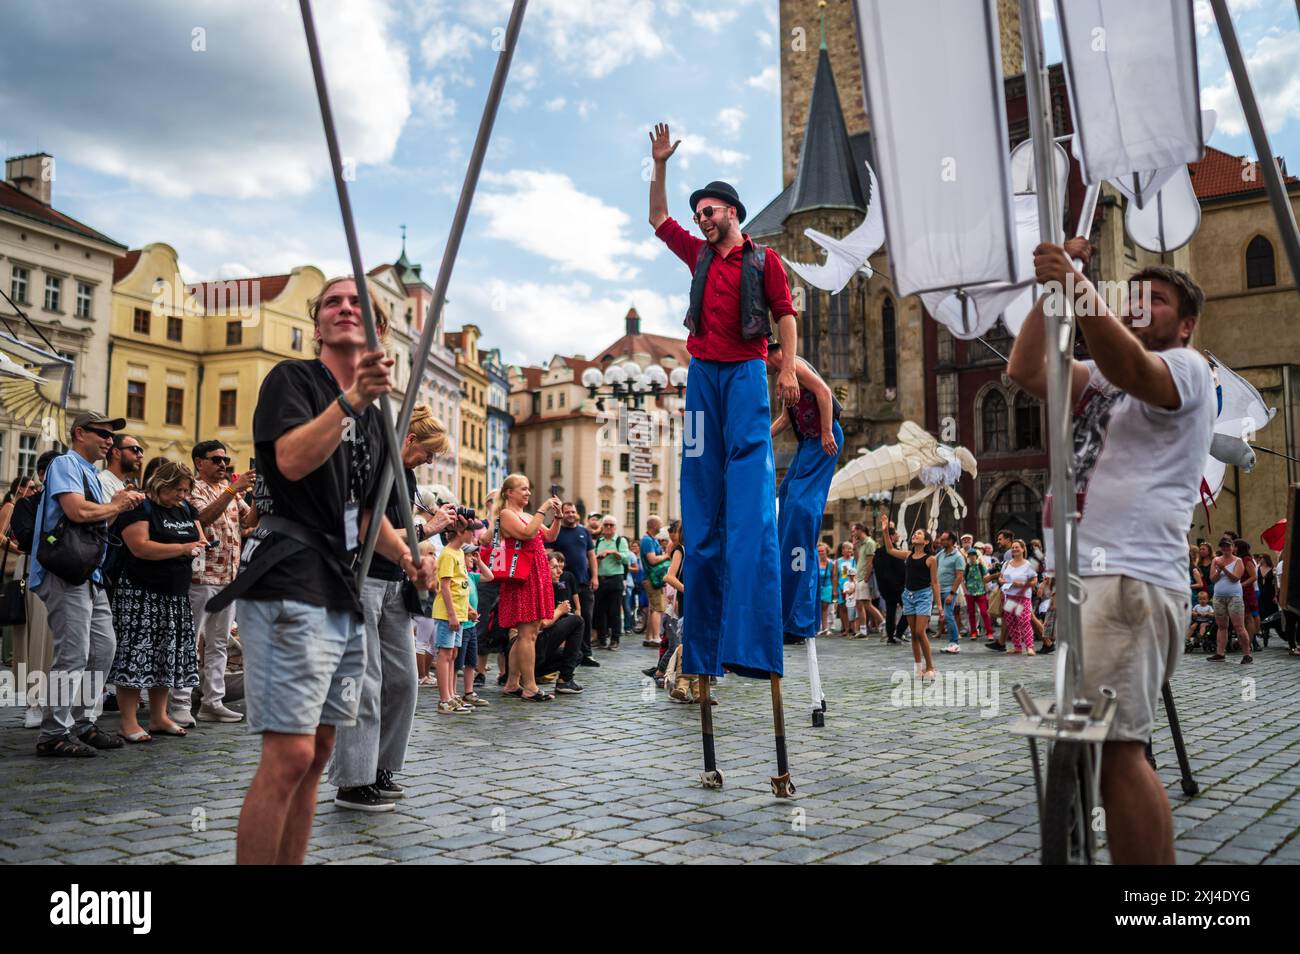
(13,605)
(72,551)
(509,561)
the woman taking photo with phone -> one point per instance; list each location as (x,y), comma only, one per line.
(526,596)
(920,593)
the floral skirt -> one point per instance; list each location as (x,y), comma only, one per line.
(156,648)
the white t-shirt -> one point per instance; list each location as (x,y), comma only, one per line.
(110,482)
(1015,579)
(1138,471)
(1202,612)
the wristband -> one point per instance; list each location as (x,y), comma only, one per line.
(231,490)
(348,409)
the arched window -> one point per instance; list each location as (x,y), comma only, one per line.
(810,332)
(993,422)
(1029,423)
(1016,509)
(889,342)
(1260,269)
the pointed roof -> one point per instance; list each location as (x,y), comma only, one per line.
(1221,175)
(826,176)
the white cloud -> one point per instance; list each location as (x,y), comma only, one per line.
(447,43)
(430,102)
(585,108)
(714,20)
(764,39)
(1272,68)
(533,321)
(237,118)
(556,104)
(700,147)
(545,214)
(769,80)
(731,119)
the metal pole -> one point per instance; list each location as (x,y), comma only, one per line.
(394,453)
(1058,333)
(434,317)
(1277,195)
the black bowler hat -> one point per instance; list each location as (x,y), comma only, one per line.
(722,191)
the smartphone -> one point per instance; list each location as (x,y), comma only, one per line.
(252,463)
(555,490)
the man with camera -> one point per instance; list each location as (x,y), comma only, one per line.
(320,445)
(222,512)
(69,543)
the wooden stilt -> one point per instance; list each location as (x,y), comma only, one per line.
(711,777)
(782,786)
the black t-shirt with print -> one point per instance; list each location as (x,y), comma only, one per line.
(166,525)
(294,393)
(565,588)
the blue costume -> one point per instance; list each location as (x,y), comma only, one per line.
(802,502)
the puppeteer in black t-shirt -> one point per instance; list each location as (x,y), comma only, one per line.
(329,499)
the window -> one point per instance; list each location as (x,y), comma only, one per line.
(945,392)
(175,405)
(83,300)
(561,399)
(550,401)
(631,513)
(1029,423)
(606,470)
(557,434)
(234,333)
(1260,270)
(993,421)
(654,474)
(839,335)
(557,467)
(175,328)
(18,285)
(889,343)
(296,343)
(944,353)
(654,508)
(53,291)
(135,400)
(2,452)
(1016,509)
(227,408)
(605,506)
(140,322)
(521,441)
(810,332)
(27,453)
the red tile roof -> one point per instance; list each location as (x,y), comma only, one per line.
(1220,174)
(125,264)
(13,199)
(218,292)
(657,346)
(453,339)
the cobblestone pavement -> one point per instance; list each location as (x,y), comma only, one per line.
(612,776)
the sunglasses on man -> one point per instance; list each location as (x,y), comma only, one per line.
(101,434)
(707,212)
(219,459)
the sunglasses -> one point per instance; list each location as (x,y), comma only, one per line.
(103,435)
(133,450)
(223,461)
(708,210)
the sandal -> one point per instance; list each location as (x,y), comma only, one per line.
(67,747)
(538,696)
(178,731)
(517,693)
(98,739)
(137,737)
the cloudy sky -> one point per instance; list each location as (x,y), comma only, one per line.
(196,124)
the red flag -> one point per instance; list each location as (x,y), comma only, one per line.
(1275,536)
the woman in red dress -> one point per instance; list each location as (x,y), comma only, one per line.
(525,603)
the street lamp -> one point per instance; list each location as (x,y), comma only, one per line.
(629,384)
(876,499)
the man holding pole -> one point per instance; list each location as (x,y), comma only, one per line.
(319,438)
(1144,411)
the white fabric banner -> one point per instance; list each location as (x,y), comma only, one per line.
(1131,71)
(933,77)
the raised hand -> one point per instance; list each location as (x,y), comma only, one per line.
(661,146)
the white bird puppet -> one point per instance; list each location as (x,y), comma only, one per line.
(847,256)
(34,384)
(917,454)
(1242,414)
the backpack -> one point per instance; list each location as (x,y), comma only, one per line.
(658,572)
(22,522)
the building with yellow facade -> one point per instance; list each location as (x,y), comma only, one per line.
(472,450)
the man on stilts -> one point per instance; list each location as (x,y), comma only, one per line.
(815,418)
(728,487)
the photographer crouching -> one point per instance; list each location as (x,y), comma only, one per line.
(319,442)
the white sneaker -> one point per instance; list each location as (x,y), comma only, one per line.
(33,717)
(182,717)
(217,712)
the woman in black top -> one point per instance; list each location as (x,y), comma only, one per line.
(156,649)
(1204,560)
(920,593)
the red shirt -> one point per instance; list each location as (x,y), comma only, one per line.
(719,338)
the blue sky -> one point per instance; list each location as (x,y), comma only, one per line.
(195,124)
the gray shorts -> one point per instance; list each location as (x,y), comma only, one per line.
(1228,606)
(1132,639)
(303,665)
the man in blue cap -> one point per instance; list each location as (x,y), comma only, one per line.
(728,487)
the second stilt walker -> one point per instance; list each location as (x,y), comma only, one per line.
(815,419)
(728,474)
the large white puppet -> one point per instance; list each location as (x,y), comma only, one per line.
(916,455)
(1242,413)
(847,256)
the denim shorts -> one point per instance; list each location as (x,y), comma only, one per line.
(303,665)
(444,637)
(918,602)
